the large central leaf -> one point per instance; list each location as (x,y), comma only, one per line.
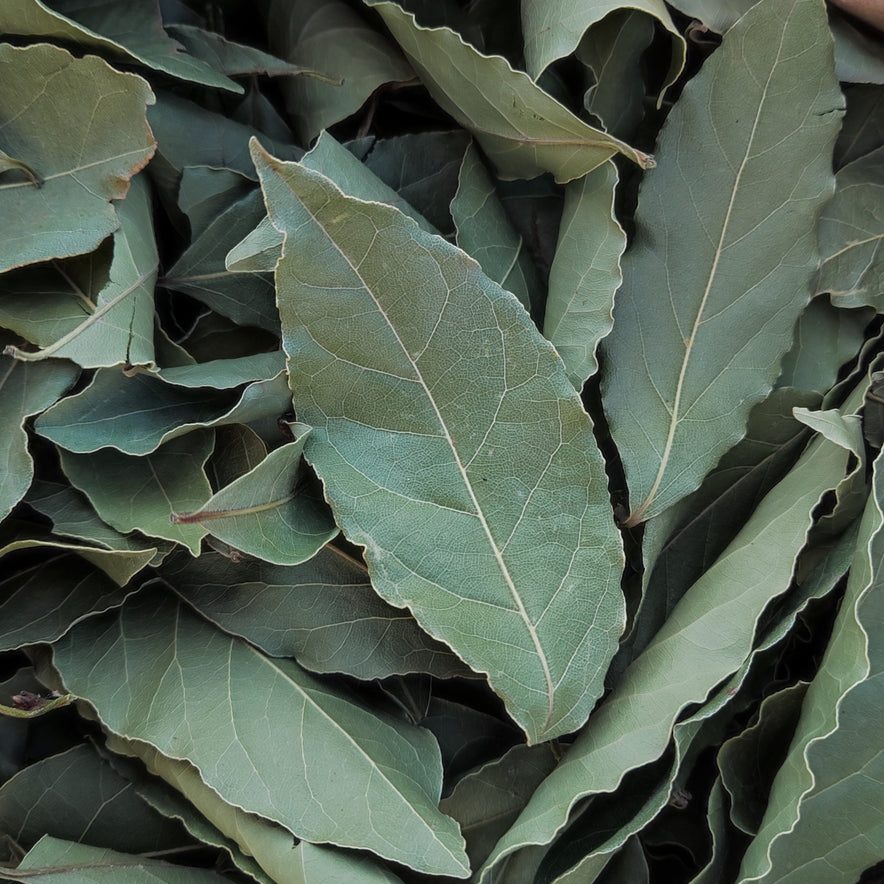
(451,444)
(724,251)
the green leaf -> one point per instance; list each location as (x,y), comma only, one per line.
(106,141)
(485,233)
(612,50)
(825,339)
(862,130)
(722,261)
(52,860)
(330,37)
(145,671)
(852,235)
(72,517)
(749,761)
(205,192)
(449,415)
(585,273)
(834,761)
(41,602)
(424,169)
(138,413)
(707,637)
(520,127)
(263,513)
(24,390)
(487,801)
(112,325)
(553,30)
(131,32)
(201,271)
(233,59)
(141,493)
(77,796)
(258,251)
(324,613)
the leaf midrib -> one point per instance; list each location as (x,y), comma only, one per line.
(498,556)
(636,517)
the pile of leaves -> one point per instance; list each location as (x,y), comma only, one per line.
(441,442)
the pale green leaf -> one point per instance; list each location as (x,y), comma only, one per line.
(585,273)
(247,299)
(265,514)
(835,760)
(484,232)
(106,141)
(135,414)
(553,29)
(141,493)
(448,415)
(53,860)
(118,564)
(258,251)
(321,865)
(157,673)
(524,131)
(329,158)
(330,37)
(24,390)
(324,613)
(114,324)
(99,806)
(852,235)
(131,32)
(261,247)
(725,250)
(706,639)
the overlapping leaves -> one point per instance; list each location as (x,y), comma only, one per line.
(317,442)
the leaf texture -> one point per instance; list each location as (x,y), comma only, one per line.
(724,252)
(449,416)
(197,694)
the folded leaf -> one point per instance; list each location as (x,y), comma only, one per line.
(157,673)
(330,37)
(585,273)
(525,131)
(106,141)
(725,250)
(553,30)
(439,411)
(52,859)
(24,390)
